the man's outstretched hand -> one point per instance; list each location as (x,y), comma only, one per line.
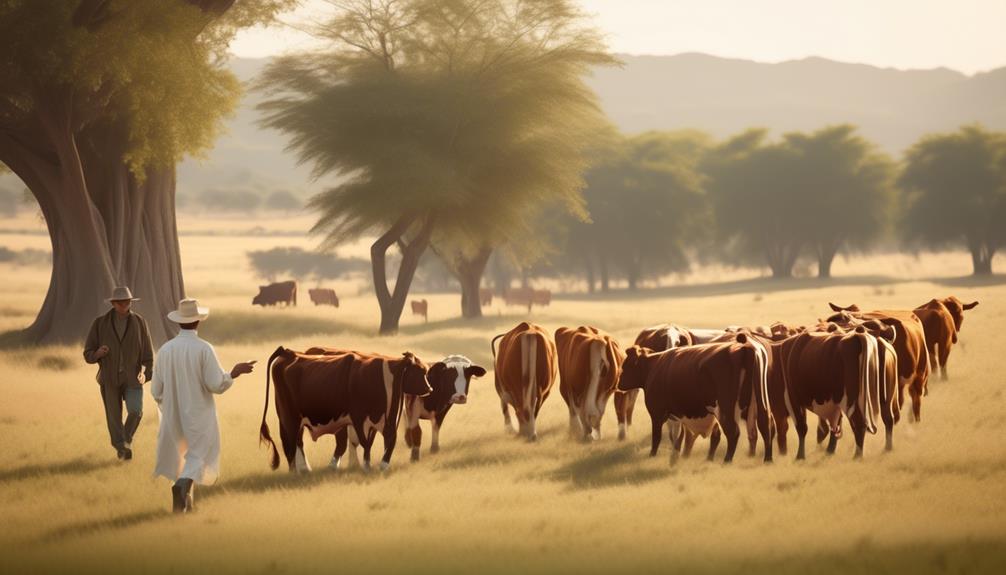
(243,368)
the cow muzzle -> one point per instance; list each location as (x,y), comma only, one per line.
(462,399)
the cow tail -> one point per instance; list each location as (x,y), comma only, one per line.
(263,433)
(868,380)
(492,345)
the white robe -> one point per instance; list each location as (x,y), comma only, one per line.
(186,375)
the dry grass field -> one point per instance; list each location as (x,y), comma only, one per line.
(489,502)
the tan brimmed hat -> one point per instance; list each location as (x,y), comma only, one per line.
(189,311)
(122,293)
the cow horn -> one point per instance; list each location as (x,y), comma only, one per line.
(971,305)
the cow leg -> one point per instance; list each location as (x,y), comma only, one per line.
(822,430)
(341,441)
(916,403)
(714,442)
(620,405)
(575,429)
(507,423)
(390,437)
(800,422)
(765,428)
(677,438)
(733,433)
(435,438)
(781,429)
(414,440)
(859,431)
(944,356)
(658,434)
(689,440)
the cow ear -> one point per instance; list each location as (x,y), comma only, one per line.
(970,305)
(890,334)
(475,371)
(834,307)
(632,352)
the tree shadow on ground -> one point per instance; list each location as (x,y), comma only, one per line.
(79,466)
(606,467)
(751,285)
(970,281)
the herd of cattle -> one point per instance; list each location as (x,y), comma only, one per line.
(711,383)
(285,293)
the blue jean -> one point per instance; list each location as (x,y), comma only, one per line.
(113,397)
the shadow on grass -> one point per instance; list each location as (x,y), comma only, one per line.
(970,281)
(251,327)
(79,466)
(752,285)
(15,339)
(607,467)
(254,483)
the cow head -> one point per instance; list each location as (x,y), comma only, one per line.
(414,380)
(956,308)
(451,378)
(880,329)
(634,369)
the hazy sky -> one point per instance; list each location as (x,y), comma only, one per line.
(965,35)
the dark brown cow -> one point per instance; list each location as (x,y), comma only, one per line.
(832,374)
(272,294)
(589,364)
(450,379)
(941,326)
(485,297)
(525,371)
(323,296)
(421,307)
(327,393)
(704,387)
(909,343)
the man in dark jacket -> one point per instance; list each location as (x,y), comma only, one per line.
(119,342)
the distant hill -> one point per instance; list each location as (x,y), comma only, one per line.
(718,95)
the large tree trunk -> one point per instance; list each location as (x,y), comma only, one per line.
(392,303)
(588,265)
(781,258)
(469,273)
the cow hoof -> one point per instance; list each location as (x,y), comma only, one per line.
(415,455)
(621,435)
(434,449)
(366,467)
(335,463)
(385,465)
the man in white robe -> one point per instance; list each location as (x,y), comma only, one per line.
(187,374)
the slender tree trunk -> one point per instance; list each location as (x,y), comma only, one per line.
(469,273)
(588,266)
(393,302)
(826,252)
(981,259)
(605,279)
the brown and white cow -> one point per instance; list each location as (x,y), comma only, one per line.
(941,321)
(450,379)
(704,387)
(525,371)
(323,296)
(328,393)
(909,343)
(589,364)
(276,293)
(832,374)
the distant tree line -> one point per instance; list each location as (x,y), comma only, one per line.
(300,264)
(240,201)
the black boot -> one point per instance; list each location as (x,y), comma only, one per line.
(181,496)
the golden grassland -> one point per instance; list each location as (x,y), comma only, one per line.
(489,502)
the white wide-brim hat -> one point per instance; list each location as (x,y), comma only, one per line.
(189,311)
(122,293)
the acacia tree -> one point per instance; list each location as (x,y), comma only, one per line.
(955,192)
(451,121)
(99,99)
(848,186)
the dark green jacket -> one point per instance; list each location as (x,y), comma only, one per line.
(128,352)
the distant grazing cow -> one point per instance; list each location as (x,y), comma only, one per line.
(941,322)
(272,294)
(328,393)
(525,370)
(705,388)
(833,374)
(485,297)
(323,296)
(589,364)
(527,297)
(909,343)
(421,307)
(450,379)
